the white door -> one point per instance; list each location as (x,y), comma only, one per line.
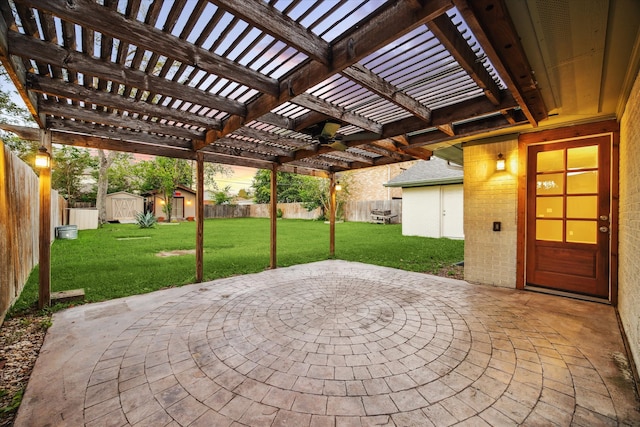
(452,211)
(178,207)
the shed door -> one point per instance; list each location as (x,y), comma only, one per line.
(452,211)
(568,211)
(124,208)
(178,207)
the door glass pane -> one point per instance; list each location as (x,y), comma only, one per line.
(582,207)
(582,157)
(549,230)
(582,231)
(551,183)
(582,182)
(550,161)
(549,207)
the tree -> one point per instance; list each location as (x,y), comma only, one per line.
(316,194)
(223,197)
(122,174)
(15,114)
(69,166)
(289,186)
(243,194)
(104,162)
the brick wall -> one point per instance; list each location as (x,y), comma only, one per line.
(367,184)
(629,247)
(490,256)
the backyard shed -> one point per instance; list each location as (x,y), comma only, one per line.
(123,206)
(183,203)
(432,199)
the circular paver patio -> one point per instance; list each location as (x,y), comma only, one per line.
(348,349)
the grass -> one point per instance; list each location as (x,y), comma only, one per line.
(119,260)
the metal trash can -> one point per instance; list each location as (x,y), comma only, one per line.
(67,232)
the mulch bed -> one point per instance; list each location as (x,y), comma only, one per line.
(20,341)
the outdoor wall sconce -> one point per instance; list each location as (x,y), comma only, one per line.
(43,158)
(501,163)
(189,202)
(338,186)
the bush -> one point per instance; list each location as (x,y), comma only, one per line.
(145,220)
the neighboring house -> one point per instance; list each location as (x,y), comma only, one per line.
(432,199)
(123,206)
(184,203)
(368,184)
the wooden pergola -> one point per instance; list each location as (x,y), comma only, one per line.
(304,86)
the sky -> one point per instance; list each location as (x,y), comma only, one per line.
(240,178)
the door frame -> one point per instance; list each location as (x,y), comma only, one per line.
(609,127)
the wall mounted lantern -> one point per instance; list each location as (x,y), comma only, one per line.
(338,186)
(501,163)
(43,158)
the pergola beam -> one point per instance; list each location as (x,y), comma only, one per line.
(339,113)
(92,15)
(16,69)
(260,15)
(364,77)
(61,89)
(396,19)
(113,119)
(29,47)
(492,26)
(116,133)
(452,40)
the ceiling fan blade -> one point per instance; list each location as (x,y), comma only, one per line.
(329,129)
(360,136)
(338,145)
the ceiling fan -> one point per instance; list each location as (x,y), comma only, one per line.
(326,134)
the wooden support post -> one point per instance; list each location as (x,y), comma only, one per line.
(199,216)
(332,215)
(274,216)
(44,253)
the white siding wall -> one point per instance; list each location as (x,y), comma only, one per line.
(422,213)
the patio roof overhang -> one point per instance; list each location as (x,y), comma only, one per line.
(252,83)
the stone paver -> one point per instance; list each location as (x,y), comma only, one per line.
(333,343)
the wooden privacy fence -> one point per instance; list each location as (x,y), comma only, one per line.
(226,211)
(354,211)
(289,210)
(360,211)
(19,224)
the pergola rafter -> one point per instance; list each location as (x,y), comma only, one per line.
(253,83)
(164,73)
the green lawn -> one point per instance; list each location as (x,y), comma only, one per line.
(118,260)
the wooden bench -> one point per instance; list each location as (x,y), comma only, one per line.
(380,216)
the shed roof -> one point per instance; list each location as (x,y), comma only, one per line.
(124,193)
(427,173)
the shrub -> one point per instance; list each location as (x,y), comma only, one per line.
(145,220)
